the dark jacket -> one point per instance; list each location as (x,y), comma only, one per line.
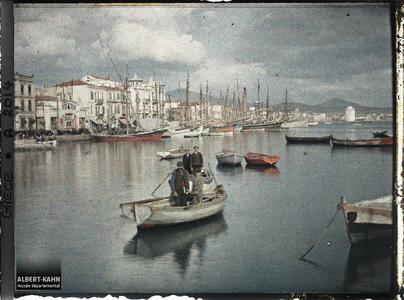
(186,160)
(179,180)
(197,159)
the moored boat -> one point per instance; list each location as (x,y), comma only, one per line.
(229,157)
(308,140)
(261,159)
(143,136)
(381,134)
(261,126)
(222,129)
(160,211)
(381,142)
(195,133)
(368,219)
(171,153)
(294,124)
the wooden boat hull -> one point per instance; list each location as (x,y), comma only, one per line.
(258,159)
(150,136)
(161,213)
(222,129)
(308,140)
(368,220)
(383,142)
(231,159)
(380,134)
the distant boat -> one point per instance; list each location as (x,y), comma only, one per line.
(229,157)
(308,140)
(222,129)
(312,123)
(194,134)
(143,136)
(369,219)
(294,124)
(160,211)
(262,126)
(261,159)
(383,142)
(178,132)
(230,133)
(171,153)
(34,146)
(381,134)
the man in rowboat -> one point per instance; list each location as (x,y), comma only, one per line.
(196,159)
(179,184)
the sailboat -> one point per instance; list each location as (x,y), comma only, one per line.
(292,123)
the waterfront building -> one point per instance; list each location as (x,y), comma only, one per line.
(24,91)
(350,114)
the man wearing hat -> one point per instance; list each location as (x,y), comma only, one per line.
(196,160)
(179,184)
(186,160)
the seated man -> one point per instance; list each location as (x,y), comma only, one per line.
(179,184)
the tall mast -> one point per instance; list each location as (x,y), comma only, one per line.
(225,102)
(222,104)
(200,101)
(238,98)
(258,95)
(187,111)
(234,102)
(286,104)
(210,108)
(268,101)
(206,108)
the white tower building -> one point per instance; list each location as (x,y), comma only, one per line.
(350,114)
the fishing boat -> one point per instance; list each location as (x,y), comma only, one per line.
(381,142)
(308,140)
(368,219)
(171,153)
(261,159)
(380,134)
(294,124)
(142,136)
(222,129)
(312,123)
(160,211)
(195,133)
(229,157)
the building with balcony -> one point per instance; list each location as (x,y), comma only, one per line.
(24,92)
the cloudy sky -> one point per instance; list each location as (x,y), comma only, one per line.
(318,52)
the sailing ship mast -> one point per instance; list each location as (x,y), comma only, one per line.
(200,101)
(187,108)
(258,95)
(244,102)
(267,101)
(206,108)
(286,104)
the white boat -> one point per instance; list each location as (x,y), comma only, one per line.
(229,157)
(294,124)
(179,132)
(230,133)
(160,211)
(312,123)
(171,153)
(195,133)
(369,219)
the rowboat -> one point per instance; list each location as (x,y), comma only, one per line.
(229,157)
(34,146)
(171,153)
(160,211)
(308,140)
(383,142)
(261,159)
(368,219)
(143,136)
(380,134)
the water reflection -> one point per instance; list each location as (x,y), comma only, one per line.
(229,170)
(265,169)
(367,261)
(178,240)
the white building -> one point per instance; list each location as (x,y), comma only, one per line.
(350,114)
(24,91)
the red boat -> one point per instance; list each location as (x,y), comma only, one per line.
(261,159)
(145,136)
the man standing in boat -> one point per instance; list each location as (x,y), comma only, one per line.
(179,184)
(186,160)
(196,160)
(197,187)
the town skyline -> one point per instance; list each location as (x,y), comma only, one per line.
(328,52)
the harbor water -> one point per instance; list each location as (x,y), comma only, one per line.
(67,206)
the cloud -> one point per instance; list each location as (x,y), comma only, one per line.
(44,38)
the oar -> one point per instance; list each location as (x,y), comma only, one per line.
(213,175)
(144,201)
(160,184)
(321,236)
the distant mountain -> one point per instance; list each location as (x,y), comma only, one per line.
(334,105)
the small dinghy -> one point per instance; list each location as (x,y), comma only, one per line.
(259,159)
(229,157)
(382,142)
(368,219)
(160,211)
(171,153)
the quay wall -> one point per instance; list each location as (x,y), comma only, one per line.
(73,138)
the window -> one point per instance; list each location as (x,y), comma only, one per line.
(23,123)
(29,90)
(22,89)
(118,109)
(92,95)
(30,105)
(22,105)
(118,96)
